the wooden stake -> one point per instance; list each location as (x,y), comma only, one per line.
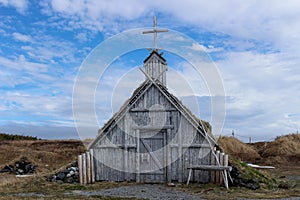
(80,169)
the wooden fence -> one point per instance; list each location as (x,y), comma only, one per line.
(86,167)
(219,159)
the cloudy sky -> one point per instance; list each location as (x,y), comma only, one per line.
(255,46)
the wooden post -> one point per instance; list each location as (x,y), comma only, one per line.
(92,166)
(180,151)
(189,177)
(221,159)
(84,180)
(217,177)
(80,169)
(138,155)
(88,167)
(225,160)
(225,179)
(226,164)
(126,150)
(213,162)
(168,160)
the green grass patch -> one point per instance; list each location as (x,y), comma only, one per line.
(248,172)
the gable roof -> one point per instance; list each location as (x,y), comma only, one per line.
(195,121)
(157,54)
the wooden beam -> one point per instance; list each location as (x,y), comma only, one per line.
(210,167)
(190,145)
(223,169)
(152,110)
(153,127)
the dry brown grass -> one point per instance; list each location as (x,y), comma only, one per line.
(287,145)
(47,154)
(284,149)
(9,180)
(238,149)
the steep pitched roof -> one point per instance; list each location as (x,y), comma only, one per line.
(155,53)
(195,121)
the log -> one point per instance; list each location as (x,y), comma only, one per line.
(84,178)
(80,169)
(88,167)
(92,166)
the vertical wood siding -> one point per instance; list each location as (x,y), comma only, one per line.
(151,110)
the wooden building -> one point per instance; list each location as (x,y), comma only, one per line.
(153,137)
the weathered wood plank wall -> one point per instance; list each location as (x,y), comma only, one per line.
(152,111)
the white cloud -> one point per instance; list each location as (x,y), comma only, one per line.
(20,5)
(243,19)
(46,48)
(82,37)
(21,64)
(22,37)
(94,10)
(261,93)
(209,49)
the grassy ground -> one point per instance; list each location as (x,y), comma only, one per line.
(52,155)
(39,185)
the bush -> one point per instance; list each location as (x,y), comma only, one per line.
(4,136)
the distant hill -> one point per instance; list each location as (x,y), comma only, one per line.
(5,136)
(284,149)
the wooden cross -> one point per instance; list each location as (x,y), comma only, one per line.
(155,31)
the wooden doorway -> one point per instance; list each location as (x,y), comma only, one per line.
(152,156)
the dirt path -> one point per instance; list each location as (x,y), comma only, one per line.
(152,192)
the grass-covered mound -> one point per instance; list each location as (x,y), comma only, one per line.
(284,149)
(233,147)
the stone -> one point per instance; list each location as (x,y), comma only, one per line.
(60,176)
(171,185)
(7,168)
(68,175)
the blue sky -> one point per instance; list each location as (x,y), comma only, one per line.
(254,44)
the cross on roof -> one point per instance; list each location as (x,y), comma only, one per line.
(155,31)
